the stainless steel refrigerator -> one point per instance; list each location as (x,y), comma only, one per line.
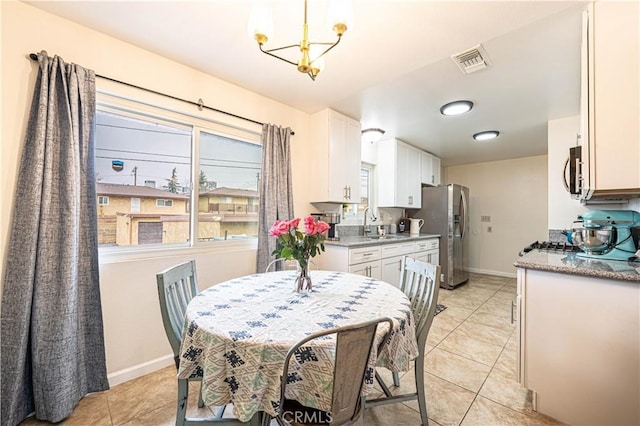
(445,211)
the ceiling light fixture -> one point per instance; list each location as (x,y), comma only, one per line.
(372,134)
(486,135)
(456,107)
(312,60)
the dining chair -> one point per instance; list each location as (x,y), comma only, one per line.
(420,282)
(177,285)
(352,352)
(281,264)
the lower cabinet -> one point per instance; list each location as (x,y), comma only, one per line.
(578,340)
(381,261)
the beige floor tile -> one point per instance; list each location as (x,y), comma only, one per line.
(468,347)
(92,410)
(436,335)
(392,414)
(502,388)
(463,301)
(456,369)
(507,362)
(492,320)
(446,403)
(485,333)
(458,313)
(446,322)
(484,412)
(135,398)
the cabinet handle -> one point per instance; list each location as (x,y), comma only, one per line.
(411,200)
(367,254)
(433,178)
(344,193)
(513,305)
(349,189)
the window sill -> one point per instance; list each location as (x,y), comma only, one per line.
(110,255)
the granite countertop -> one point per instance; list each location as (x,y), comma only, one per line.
(570,263)
(361,241)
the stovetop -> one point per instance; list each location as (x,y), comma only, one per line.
(560,247)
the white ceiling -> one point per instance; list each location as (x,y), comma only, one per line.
(391,70)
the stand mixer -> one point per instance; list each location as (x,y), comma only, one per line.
(607,234)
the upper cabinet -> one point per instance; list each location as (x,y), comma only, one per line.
(335,158)
(610,101)
(429,169)
(399,175)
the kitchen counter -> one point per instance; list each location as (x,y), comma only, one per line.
(570,263)
(361,241)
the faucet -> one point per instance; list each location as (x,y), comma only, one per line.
(364,225)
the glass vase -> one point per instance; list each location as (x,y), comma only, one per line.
(303,280)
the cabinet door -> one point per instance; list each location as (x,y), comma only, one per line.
(368,269)
(338,162)
(402,189)
(610,105)
(413,183)
(390,270)
(435,170)
(352,150)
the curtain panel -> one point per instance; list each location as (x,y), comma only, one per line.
(52,331)
(276,188)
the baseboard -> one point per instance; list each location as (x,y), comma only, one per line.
(487,272)
(139,370)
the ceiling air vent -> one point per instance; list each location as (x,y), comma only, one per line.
(471,60)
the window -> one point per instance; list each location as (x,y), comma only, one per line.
(147,161)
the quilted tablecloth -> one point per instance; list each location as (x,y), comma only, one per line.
(237,334)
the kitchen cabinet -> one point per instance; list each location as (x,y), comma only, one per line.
(610,105)
(429,169)
(335,158)
(428,251)
(578,340)
(399,175)
(380,261)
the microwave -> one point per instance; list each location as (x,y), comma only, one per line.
(573,182)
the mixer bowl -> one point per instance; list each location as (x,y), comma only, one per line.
(595,240)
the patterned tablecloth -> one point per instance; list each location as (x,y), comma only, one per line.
(237,334)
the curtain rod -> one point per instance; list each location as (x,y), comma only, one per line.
(200,104)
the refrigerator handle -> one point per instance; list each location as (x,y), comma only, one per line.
(464,214)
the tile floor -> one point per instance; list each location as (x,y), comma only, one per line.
(470,364)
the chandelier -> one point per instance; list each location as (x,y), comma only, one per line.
(312,53)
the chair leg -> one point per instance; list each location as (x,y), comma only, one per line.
(200,400)
(183,396)
(396,379)
(422,401)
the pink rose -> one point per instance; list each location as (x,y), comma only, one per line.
(279,227)
(322,227)
(310,226)
(293,223)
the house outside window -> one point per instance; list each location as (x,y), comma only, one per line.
(150,193)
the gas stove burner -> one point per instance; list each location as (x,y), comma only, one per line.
(556,246)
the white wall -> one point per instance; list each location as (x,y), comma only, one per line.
(133,328)
(514,194)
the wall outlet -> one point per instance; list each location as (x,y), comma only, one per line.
(489,229)
(485,218)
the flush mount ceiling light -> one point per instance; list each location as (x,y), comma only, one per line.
(372,134)
(486,135)
(456,107)
(312,60)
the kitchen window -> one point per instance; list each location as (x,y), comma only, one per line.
(166,179)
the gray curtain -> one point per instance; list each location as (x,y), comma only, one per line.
(52,335)
(276,188)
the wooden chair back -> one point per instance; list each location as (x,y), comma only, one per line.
(353,348)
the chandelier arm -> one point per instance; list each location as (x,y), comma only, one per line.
(327,50)
(280,48)
(268,52)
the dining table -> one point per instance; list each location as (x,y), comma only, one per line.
(238,332)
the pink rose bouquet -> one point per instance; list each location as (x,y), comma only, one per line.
(297,244)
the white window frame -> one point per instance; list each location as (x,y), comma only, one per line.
(164,202)
(159,108)
(102,199)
